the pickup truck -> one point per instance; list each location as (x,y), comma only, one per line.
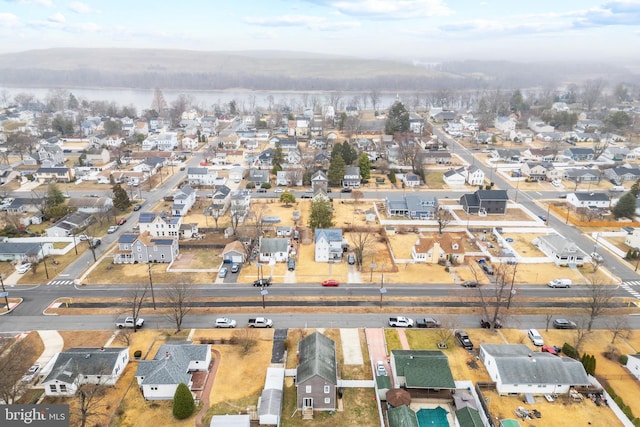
(127,322)
(427,322)
(401,322)
(260,322)
(225,322)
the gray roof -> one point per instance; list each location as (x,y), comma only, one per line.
(270,402)
(517,364)
(492,195)
(197,171)
(274,244)
(127,238)
(19,248)
(174,368)
(317,357)
(352,170)
(592,197)
(561,245)
(330,234)
(84,361)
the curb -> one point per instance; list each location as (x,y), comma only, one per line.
(12,307)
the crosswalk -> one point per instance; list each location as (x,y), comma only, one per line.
(60,282)
(628,286)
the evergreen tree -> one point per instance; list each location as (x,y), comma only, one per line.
(54,196)
(365,166)
(626,207)
(635,188)
(120,198)
(277,159)
(349,154)
(183,404)
(397,120)
(321,214)
(336,170)
(336,151)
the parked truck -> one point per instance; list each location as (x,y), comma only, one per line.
(128,322)
(401,322)
(260,322)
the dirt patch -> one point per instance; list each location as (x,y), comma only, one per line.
(73,339)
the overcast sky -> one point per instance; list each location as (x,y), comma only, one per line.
(405,29)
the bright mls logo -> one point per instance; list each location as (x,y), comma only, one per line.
(34,415)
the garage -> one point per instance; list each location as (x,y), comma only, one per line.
(233,253)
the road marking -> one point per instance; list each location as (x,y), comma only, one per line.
(60,282)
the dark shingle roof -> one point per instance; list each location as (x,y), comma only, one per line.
(317,357)
(84,361)
(402,416)
(424,368)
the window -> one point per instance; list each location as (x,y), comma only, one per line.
(327,400)
(307,389)
(327,389)
(53,388)
(63,388)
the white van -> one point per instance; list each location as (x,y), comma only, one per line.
(560,283)
(617,189)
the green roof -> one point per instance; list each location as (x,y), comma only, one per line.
(509,423)
(402,416)
(424,368)
(317,357)
(383,382)
(469,417)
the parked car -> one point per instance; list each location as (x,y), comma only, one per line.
(112,229)
(291,264)
(427,322)
(346,190)
(486,323)
(551,349)
(351,259)
(535,337)
(235,268)
(330,282)
(23,268)
(122,220)
(137,207)
(596,257)
(31,373)
(262,190)
(95,243)
(262,282)
(464,340)
(470,284)
(381,370)
(83,237)
(225,322)
(560,283)
(564,324)
(223,272)
(278,190)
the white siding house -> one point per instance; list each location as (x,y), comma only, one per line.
(633,365)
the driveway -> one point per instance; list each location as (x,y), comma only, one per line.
(53,344)
(378,349)
(353,275)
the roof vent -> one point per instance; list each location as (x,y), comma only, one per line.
(167,355)
(88,355)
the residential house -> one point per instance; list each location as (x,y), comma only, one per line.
(585,200)
(485,202)
(550,136)
(50,152)
(234,253)
(512,155)
(167,141)
(231,142)
(540,154)
(319,180)
(416,123)
(290,177)
(201,177)
(284,231)
(563,252)
(560,107)
(19,252)
(68,225)
(273,249)
(454,128)
(474,175)
(221,200)
(618,154)
(237,173)
(438,248)
(56,174)
(159,225)
(469,122)
(145,248)
(150,165)
(537,170)
(505,125)
(455,177)
(77,366)
(328,244)
(299,126)
(439,115)
(583,175)
(293,157)
(517,370)
(538,126)
(183,200)
(6,174)
(588,125)
(240,201)
(189,142)
(91,205)
(351,177)
(141,128)
(26,204)
(436,157)
(411,180)
(622,174)
(317,373)
(173,364)
(97,156)
(633,239)
(633,365)
(579,154)
(258,176)
(414,206)
(421,369)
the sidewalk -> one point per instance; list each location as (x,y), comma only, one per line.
(53,344)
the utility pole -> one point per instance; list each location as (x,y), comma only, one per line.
(44,261)
(153,297)
(4,292)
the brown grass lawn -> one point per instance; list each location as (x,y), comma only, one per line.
(74,339)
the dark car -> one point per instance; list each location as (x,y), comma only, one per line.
(291,264)
(486,323)
(487,268)
(470,284)
(137,208)
(564,324)
(95,243)
(262,282)
(351,259)
(346,190)
(427,322)
(463,339)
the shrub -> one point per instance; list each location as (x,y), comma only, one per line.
(636,422)
(137,354)
(266,185)
(619,402)
(623,359)
(392,177)
(250,185)
(612,393)
(627,411)
(569,351)
(183,404)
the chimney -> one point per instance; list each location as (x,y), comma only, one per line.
(101,348)
(167,355)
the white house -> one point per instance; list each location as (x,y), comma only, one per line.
(455,177)
(201,177)
(183,201)
(516,369)
(77,366)
(411,180)
(328,244)
(474,175)
(538,126)
(173,364)
(505,124)
(633,365)
(562,251)
(633,240)
(588,200)
(276,249)
(159,225)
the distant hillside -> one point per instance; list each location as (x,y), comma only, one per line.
(264,70)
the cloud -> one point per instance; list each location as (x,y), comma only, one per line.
(57,18)
(614,13)
(43,3)
(385,9)
(79,7)
(9,20)
(284,21)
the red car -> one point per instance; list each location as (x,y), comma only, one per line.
(551,349)
(122,221)
(330,283)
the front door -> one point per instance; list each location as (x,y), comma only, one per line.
(307,402)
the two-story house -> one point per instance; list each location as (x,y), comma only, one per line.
(485,202)
(183,200)
(201,177)
(273,249)
(319,180)
(97,156)
(505,125)
(221,200)
(317,373)
(474,175)
(258,176)
(159,225)
(351,177)
(144,248)
(328,244)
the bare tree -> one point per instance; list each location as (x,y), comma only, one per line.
(334,98)
(237,213)
(293,177)
(619,327)
(599,147)
(247,338)
(91,403)
(591,92)
(499,296)
(137,297)
(446,330)
(361,240)
(443,217)
(356,195)
(597,296)
(581,332)
(124,336)
(374,96)
(547,319)
(15,356)
(178,296)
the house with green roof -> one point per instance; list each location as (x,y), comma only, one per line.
(424,369)
(469,417)
(402,416)
(317,373)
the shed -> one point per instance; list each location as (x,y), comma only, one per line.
(230,421)
(270,402)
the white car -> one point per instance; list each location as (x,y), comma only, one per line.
(223,272)
(278,190)
(112,229)
(225,322)
(23,268)
(596,257)
(535,337)
(381,371)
